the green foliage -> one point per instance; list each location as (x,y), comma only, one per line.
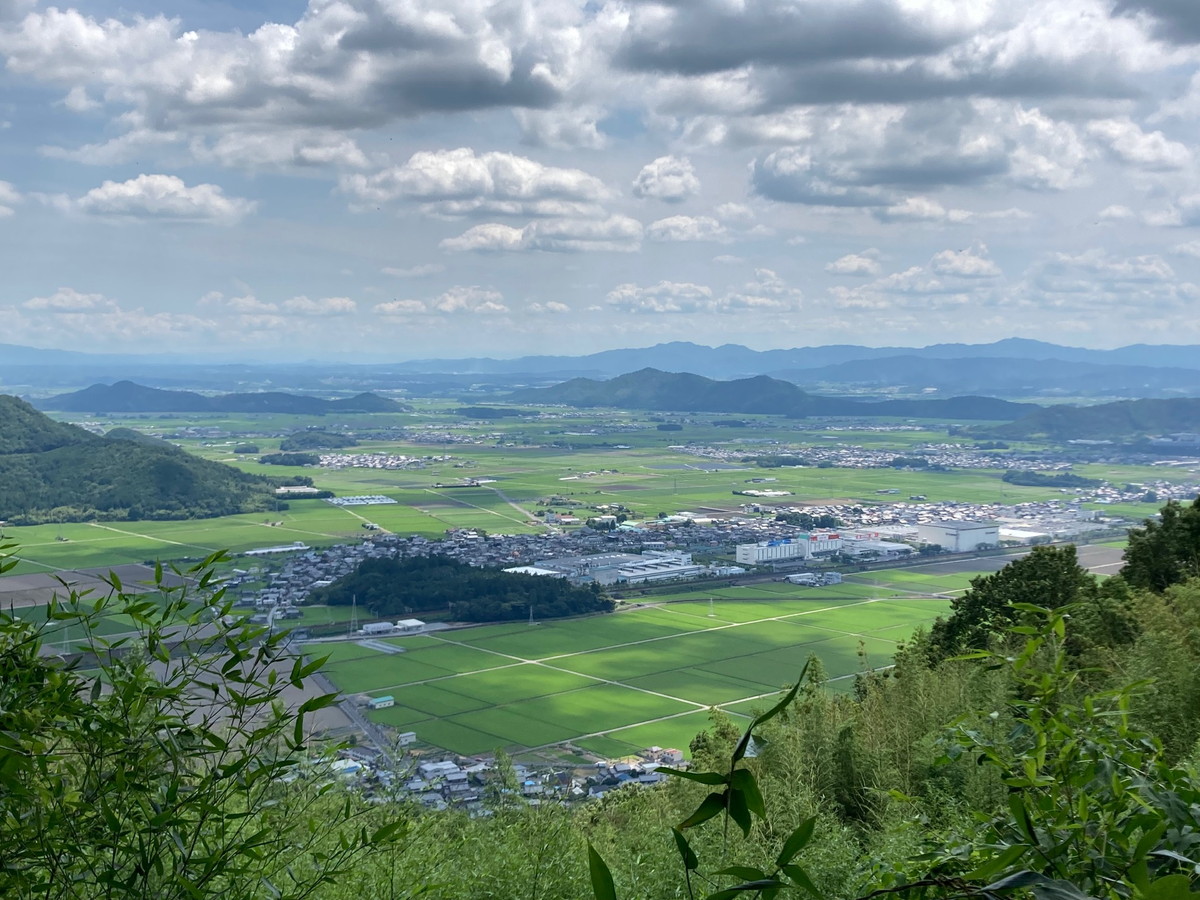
(1050,576)
(54,472)
(1041,479)
(391,587)
(1165,552)
(1093,809)
(155,766)
(290,459)
(316,440)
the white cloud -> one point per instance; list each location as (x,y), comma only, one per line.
(619,234)
(864,263)
(9,198)
(325,306)
(969,263)
(419,271)
(459,182)
(551,306)
(664,297)
(1125,140)
(401,308)
(161,197)
(280,149)
(1116,213)
(687,228)
(668,178)
(69,300)
(1191,248)
(922,209)
(460,299)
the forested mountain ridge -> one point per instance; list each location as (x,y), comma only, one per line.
(126,396)
(652,389)
(50,471)
(1123,419)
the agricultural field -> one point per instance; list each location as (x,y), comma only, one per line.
(581,459)
(648,675)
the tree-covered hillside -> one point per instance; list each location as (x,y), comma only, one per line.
(393,587)
(655,390)
(1107,421)
(126,396)
(50,471)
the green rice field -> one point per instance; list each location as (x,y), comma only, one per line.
(614,684)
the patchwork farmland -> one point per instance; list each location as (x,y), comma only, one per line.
(617,683)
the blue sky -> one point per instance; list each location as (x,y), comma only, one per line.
(390,179)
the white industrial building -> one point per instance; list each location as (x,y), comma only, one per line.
(799,546)
(960,537)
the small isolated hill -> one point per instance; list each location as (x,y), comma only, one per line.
(128,397)
(50,471)
(1107,421)
(651,389)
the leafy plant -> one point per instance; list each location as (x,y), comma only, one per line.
(166,763)
(739,800)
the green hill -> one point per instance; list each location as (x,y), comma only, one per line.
(55,472)
(316,440)
(1107,421)
(125,396)
(652,389)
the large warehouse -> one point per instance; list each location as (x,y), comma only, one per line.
(800,546)
(959,537)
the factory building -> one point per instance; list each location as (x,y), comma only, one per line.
(800,546)
(960,537)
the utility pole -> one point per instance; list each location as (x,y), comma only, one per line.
(530,613)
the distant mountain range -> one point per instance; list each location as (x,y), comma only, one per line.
(127,397)
(1004,376)
(1015,368)
(651,389)
(53,472)
(731,360)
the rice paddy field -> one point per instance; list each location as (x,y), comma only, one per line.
(571,460)
(614,684)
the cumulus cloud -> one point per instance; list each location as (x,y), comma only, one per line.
(687,228)
(551,306)
(69,300)
(664,297)
(864,264)
(617,234)
(766,292)
(161,198)
(921,209)
(460,299)
(969,263)
(1176,21)
(9,198)
(325,306)
(1125,140)
(668,178)
(460,182)
(284,149)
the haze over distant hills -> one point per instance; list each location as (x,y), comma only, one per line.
(733,359)
(125,396)
(1015,368)
(651,389)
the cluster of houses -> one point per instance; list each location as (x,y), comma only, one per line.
(475,783)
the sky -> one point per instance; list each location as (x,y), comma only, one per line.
(396,179)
